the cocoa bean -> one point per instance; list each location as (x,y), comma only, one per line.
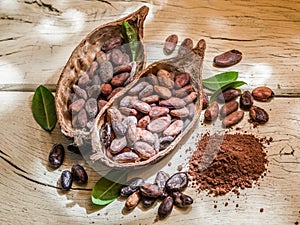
(133,200)
(177,182)
(126,157)
(73,98)
(128,111)
(105,71)
(158,111)
(163,92)
(101,57)
(152,79)
(258,114)
(181,113)
(212,111)
(81,119)
(119,79)
(91,107)
(174,129)
(233,118)
(228,95)
(128,101)
(92,69)
(144,150)
(142,107)
(112,43)
(165,142)
(94,91)
(183,92)
(150,190)
(143,122)
(122,69)
(147,201)
(182,79)
(170,44)
(228,58)
(79,92)
(186,46)
(148,137)
(118,144)
(114,92)
(101,104)
(129,119)
(148,90)
(96,80)
(137,88)
(159,125)
(106,89)
(164,79)
(182,200)
(192,109)
(56,155)
(116,57)
(76,106)
(73,148)
(165,207)
(190,98)
(161,179)
(246,100)
(262,93)
(115,114)
(131,186)
(156,143)
(205,101)
(126,59)
(228,108)
(79,174)
(66,180)
(119,128)
(151,99)
(173,102)
(131,134)
(84,80)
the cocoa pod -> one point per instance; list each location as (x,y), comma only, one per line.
(228,95)
(170,44)
(228,58)
(258,114)
(228,108)
(212,111)
(262,93)
(233,119)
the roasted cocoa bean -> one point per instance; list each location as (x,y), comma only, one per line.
(177,182)
(119,80)
(147,201)
(128,111)
(66,180)
(142,107)
(228,58)
(164,142)
(163,92)
(133,200)
(205,101)
(118,144)
(148,90)
(158,111)
(151,99)
(117,57)
(137,88)
(183,92)
(73,148)
(114,92)
(186,46)
(212,111)
(93,67)
(170,44)
(262,93)
(258,114)
(173,102)
(144,150)
(79,92)
(84,80)
(181,80)
(246,100)
(228,108)
(79,174)
(228,95)
(131,186)
(164,79)
(165,207)
(152,79)
(161,179)
(76,106)
(233,118)
(122,69)
(143,122)
(106,71)
(106,89)
(190,98)
(56,155)
(126,157)
(159,125)
(150,190)
(111,43)
(91,107)
(182,200)
(94,91)
(180,113)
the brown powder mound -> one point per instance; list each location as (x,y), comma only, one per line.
(224,163)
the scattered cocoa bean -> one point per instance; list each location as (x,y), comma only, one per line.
(190,98)
(177,182)
(170,44)
(262,93)
(165,142)
(93,67)
(131,186)
(212,111)
(84,80)
(147,137)
(137,88)
(165,207)
(192,109)
(150,190)
(79,174)
(101,57)
(128,111)
(228,108)
(233,118)
(246,100)
(161,179)
(147,201)
(142,107)
(101,104)
(182,200)
(66,180)
(133,200)
(73,148)
(228,58)
(81,119)
(152,79)
(94,91)
(258,114)
(56,155)
(228,95)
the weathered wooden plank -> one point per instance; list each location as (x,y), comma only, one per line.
(29,193)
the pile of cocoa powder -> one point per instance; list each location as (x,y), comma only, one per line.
(224,163)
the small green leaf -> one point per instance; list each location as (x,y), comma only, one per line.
(219,80)
(233,84)
(131,37)
(107,189)
(43,108)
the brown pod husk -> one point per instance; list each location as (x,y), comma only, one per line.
(190,63)
(82,57)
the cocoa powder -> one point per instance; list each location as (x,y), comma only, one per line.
(226,163)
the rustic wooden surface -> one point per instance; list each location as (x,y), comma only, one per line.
(38,36)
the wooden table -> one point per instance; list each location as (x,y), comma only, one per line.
(36,39)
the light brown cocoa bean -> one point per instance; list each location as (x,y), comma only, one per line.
(80,92)
(91,107)
(147,136)
(164,79)
(126,157)
(84,80)
(159,125)
(128,101)
(192,109)
(151,99)
(111,43)
(137,88)
(258,114)
(183,92)
(96,80)
(228,95)
(233,118)
(148,90)
(76,106)
(205,101)
(142,107)
(143,122)
(106,71)
(116,56)
(118,144)
(181,80)
(92,69)
(106,89)
(114,114)
(119,80)
(228,108)
(94,91)
(246,100)
(156,143)
(228,58)
(101,103)
(158,111)
(101,57)
(173,102)
(262,93)
(212,111)
(174,129)
(122,69)
(163,92)
(128,111)
(144,150)
(191,97)
(152,79)
(150,190)
(119,128)
(133,200)
(114,92)
(186,46)
(170,44)
(129,119)
(181,113)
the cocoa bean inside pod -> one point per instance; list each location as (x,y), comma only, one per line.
(92,64)
(161,113)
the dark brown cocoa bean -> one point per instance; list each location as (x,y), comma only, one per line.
(105,71)
(228,108)
(170,44)
(159,125)
(161,179)
(191,97)
(182,200)
(158,111)
(228,95)
(212,111)
(144,150)
(148,90)
(66,180)
(73,148)
(183,92)
(164,79)
(233,118)
(94,91)
(150,190)
(258,114)
(84,80)
(112,43)
(152,79)
(151,99)
(180,113)
(79,174)
(165,207)
(177,182)
(163,92)
(131,186)
(137,88)
(133,200)
(119,80)
(79,92)
(92,69)
(164,142)
(76,106)
(114,92)
(181,80)
(56,155)
(205,101)
(106,89)
(186,46)
(91,107)
(116,57)
(228,58)
(126,157)
(262,93)
(246,100)
(122,69)
(173,102)
(143,122)
(147,201)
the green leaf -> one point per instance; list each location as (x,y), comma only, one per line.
(234,84)
(219,80)
(43,108)
(107,189)
(131,37)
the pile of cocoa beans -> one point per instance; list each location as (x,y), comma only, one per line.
(149,116)
(229,113)
(166,188)
(108,74)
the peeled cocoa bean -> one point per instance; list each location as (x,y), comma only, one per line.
(56,155)
(159,125)
(165,207)
(150,190)
(186,46)
(133,200)
(228,95)
(177,182)
(143,122)
(126,157)
(151,99)
(174,129)
(118,144)
(112,43)
(163,92)
(131,186)
(181,113)
(228,58)
(246,100)
(119,80)
(173,102)
(79,174)
(158,111)
(66,180)
(170,44)
(258,114)
(233,118)
(212,111)
(228,108)
(144,150)
(182,79)
(262,93)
